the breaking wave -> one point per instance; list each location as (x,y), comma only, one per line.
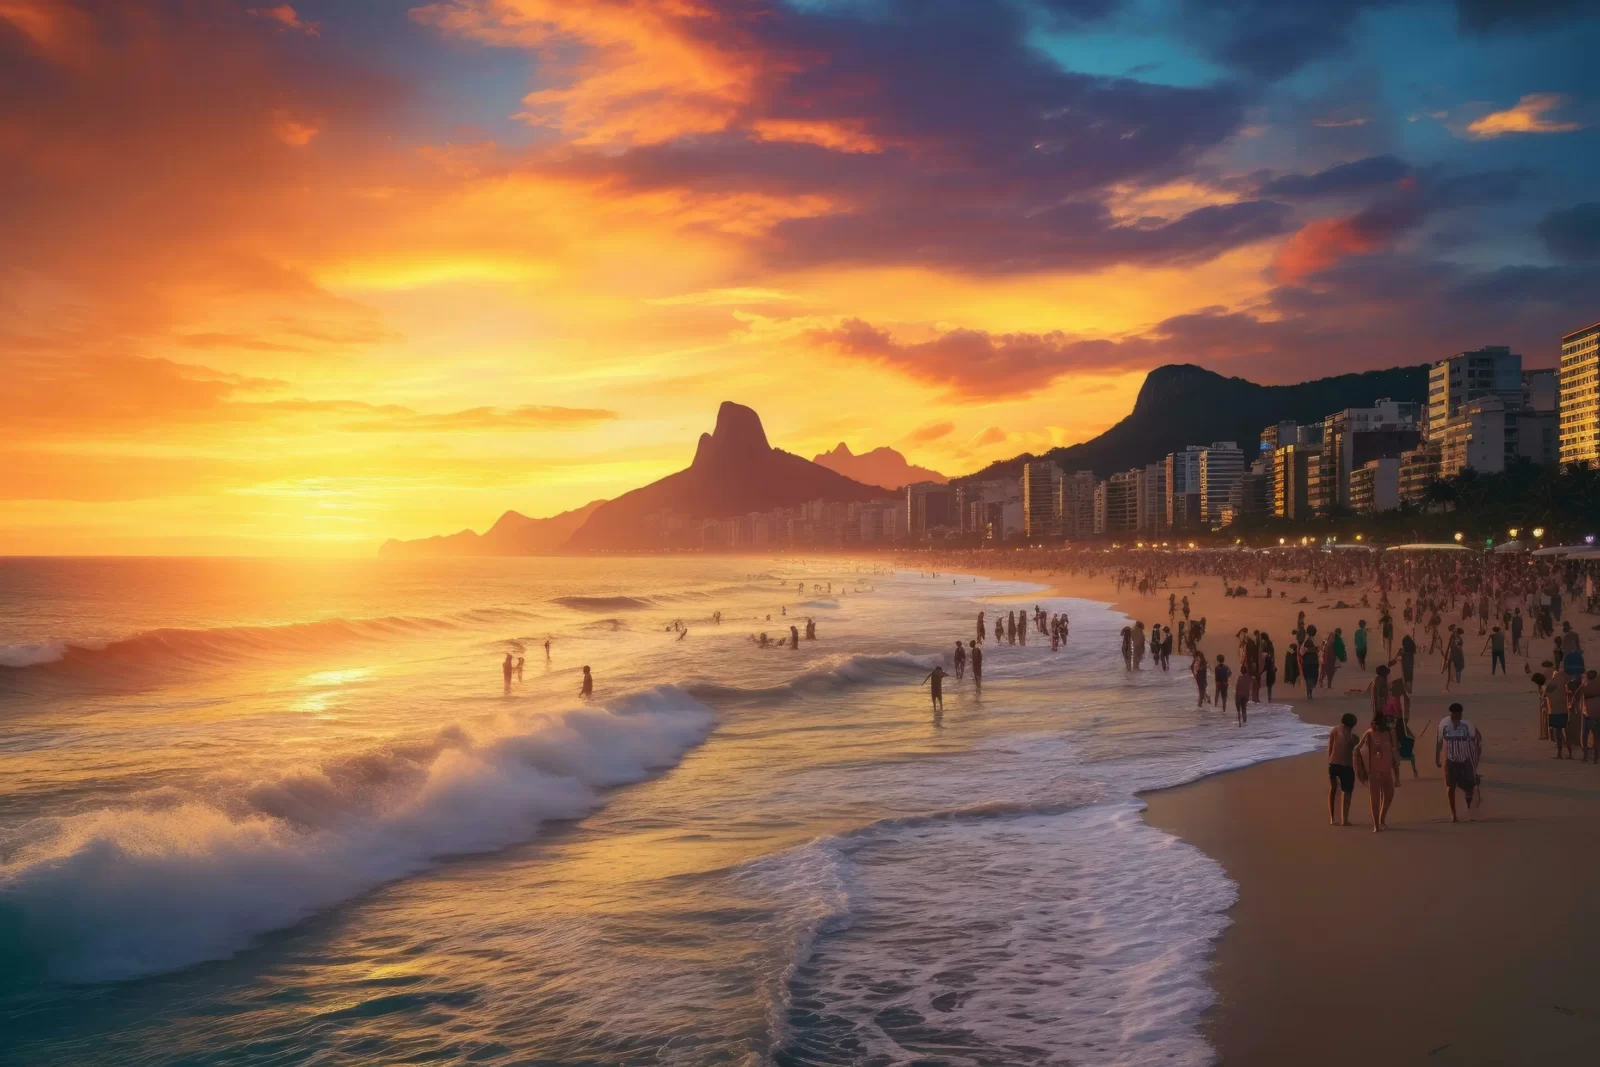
(122,892)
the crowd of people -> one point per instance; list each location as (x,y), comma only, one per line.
(1514,601)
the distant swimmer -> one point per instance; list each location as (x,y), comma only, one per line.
(937,678)
(683,633)
(977,664)
(587,689)
(794,637)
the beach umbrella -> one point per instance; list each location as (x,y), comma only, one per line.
(1510,546)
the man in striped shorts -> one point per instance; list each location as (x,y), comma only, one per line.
(1461,744)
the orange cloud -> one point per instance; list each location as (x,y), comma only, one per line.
(286,16)
(1527,116)
(644,76)
(838,136)
(1321,244)
(292,131)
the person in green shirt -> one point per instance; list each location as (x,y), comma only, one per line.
(1361,644)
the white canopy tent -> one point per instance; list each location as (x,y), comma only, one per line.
(1441,547)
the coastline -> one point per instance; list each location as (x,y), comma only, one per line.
(1434,943)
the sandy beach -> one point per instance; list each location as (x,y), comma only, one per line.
(1474,943)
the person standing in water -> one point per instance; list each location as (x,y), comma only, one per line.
(586,690)
(547,650)
(983,630)
(519,668)
(794,638)
(960,660)
(977,664)
(937,678)
(506,667)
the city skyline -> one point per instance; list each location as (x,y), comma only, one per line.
(297,278)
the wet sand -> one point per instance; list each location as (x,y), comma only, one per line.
(1432,943)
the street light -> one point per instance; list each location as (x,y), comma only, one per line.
(1358,537)
(1458,536)
(1538,532)
(1280,540)
(1514,531)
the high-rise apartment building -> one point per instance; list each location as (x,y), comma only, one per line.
(1375,486)
(1077,504)
(929,506)
(1291,469)
(1466,376)
(1183,488)
(1580,396)
(1355,435)
(1153,500)
(1221,467)
(1041,500)
(1488,435)
(1122,494)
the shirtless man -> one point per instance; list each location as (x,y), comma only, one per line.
(960,660)
(937,678)
(977,664)
(1341,768)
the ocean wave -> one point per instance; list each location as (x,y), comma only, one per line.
(178,647)
(17,656)
(836,672)
(602,603)
(119,893)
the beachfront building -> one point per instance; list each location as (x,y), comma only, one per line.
(1487,435)
(1183,488)
(1375,486)
(1077,504)
(1099,507)
(1153,500)
(1041,500)
(930,507)
(990,510)
(1221,467)
(1419,468)
(1291,470)
(1579,392)
(1122,494)
(1494,370)
(1352,437)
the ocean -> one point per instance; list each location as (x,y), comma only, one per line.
(288,812)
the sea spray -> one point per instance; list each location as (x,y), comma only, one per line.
(118,893)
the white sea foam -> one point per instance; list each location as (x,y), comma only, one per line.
(32,655)
(119,893)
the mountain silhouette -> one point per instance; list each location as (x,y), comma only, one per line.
(513,534)
(882,466)
(735,471)
(1181,405)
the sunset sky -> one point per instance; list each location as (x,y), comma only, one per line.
(295,279)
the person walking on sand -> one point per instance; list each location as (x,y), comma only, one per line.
(1360,639)
(1341,769)
(1495,645)
(1375,755)
(937,678)
(1462,746)
(1591,716)
(586,690)
(1396,711)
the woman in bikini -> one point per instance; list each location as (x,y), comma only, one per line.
(1376,765)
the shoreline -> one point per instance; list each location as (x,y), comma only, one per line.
(1432,943)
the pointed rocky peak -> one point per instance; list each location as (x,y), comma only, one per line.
(738,433)
(842,452)
(739,427)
